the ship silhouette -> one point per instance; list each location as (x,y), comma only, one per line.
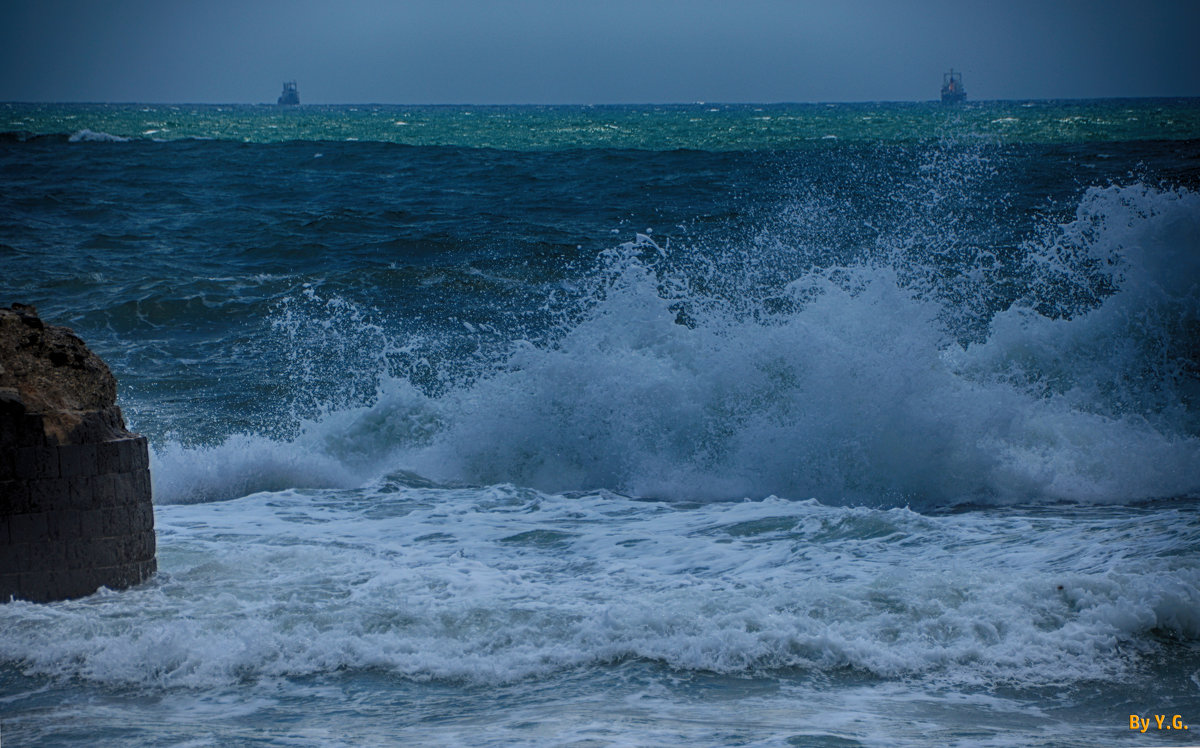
(290,96)
(952,88)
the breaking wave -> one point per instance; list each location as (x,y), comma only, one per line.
(89,136)
(854,386)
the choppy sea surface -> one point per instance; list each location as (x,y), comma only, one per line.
(788,425)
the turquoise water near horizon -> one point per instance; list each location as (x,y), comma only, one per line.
(853,424)
(651,127)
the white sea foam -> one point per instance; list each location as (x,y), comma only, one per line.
(499,584)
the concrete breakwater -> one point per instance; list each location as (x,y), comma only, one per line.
(75,501)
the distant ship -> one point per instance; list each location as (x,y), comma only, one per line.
(952,88)
(291,97)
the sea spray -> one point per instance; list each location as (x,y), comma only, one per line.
(1128,351)
(861,392)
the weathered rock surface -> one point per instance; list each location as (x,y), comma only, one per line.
(48,370)
(75,504)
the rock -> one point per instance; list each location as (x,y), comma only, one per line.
(54,375)
(75,505)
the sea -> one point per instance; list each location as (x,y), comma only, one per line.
(708,425)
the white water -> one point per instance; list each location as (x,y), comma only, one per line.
(495,585)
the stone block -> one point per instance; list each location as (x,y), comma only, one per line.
(135,548)
(27,528)
(124,575)
(131,515)
(119,489)
(133,484)
(115,521)
(131,455)
(24,463)
(142,518)
(129,549)
(47,555)
(14,498)
(10,586)
(78,552)
(10,430)
(30,557)
(125,492)
(7,471)
(124,489)
(38,586)
(45,462)
(145,486)
(76,460)
(107,457)
(120,460)
(141,546)
(77,583)
(81,553)
(105,576)
(49,494)
(91,523)
(133,574)
(106,552)
(104,490)
(80,493)
(63,525)
(90,491)
(130,493)
(31,430)
(141,486)
(13,557)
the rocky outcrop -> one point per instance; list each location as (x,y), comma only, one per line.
(75,504)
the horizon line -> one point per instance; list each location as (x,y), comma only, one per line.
(590,105)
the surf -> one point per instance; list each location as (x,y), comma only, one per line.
(857,389)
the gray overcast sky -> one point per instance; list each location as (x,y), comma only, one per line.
(600,51)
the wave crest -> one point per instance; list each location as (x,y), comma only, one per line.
(89,136)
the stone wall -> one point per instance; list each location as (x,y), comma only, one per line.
(75,502)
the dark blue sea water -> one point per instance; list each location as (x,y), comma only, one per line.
(794,425)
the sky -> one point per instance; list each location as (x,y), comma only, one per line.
(595,52)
